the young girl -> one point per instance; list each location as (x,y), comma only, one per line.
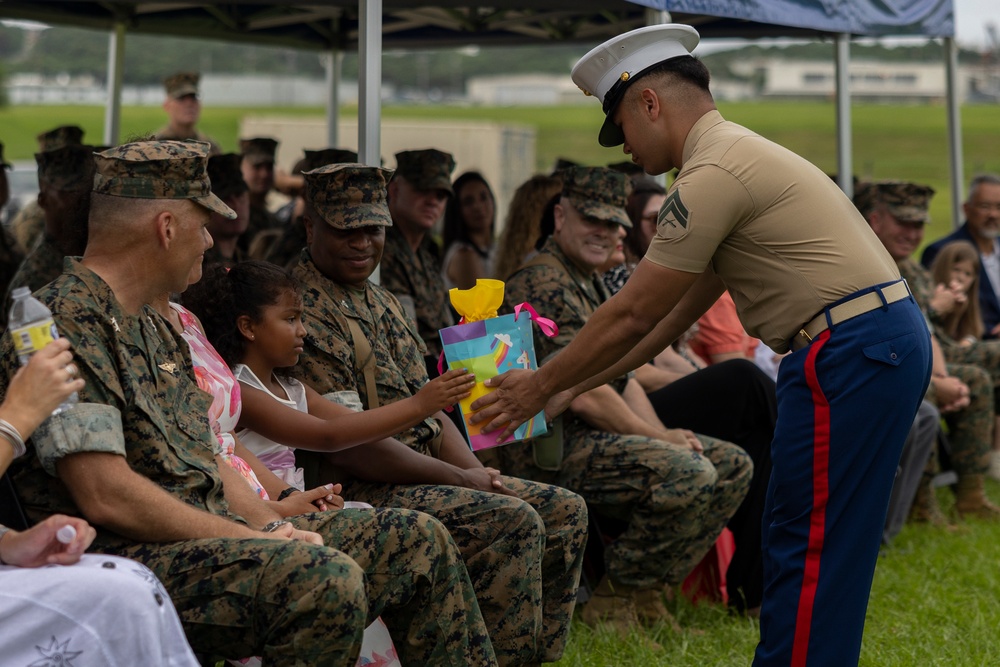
(252,315)
(957,268)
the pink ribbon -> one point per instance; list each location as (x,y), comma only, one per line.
(548,327)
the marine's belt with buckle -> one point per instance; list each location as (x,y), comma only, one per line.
(842,312)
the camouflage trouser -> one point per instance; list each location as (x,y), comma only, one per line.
(298,604)
(675,502)
(970,430)
(524,556)
(982,353)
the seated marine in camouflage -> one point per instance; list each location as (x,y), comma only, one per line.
(65,179)
(522,542)
(257,165)
(673,490)
(411,265)
(29,223)
(897,212)
(229,186)
(286,250)
(135,458)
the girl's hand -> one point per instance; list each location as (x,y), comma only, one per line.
(320,499)
(48,379)
(446,390)
(39,545)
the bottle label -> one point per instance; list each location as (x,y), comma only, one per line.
(35,336)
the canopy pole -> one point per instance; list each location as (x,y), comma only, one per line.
(370,81)
(333,72)
(369,90)
(954,131)
(116,63)
(845,158)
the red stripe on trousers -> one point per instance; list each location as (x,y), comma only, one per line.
(817,517)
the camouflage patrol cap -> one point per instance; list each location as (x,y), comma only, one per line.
(3,161)
(158,170)
(70,168)
(225,174)
(181,84)
(597,193)
(349,196)
(258,149)
(427,169)
(325,156)
(905,201)
(57,137)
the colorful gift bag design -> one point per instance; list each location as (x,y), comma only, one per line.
(488,346)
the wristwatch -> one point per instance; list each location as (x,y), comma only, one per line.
(273,526)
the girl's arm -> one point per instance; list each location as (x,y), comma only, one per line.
(271,482)
(330,427)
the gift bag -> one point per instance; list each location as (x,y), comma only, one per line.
(487,346)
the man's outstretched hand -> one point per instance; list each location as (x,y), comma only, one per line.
(514,400)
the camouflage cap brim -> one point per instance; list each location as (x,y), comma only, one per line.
(910,214)
(596,210)
(184,91)
(356,216)
(216,205)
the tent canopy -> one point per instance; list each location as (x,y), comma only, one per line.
(414,24)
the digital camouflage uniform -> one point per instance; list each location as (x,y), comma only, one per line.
(29,223)
(675,501)
(291,602)
(68,168)
(524,554)
(417,275)
(970,430)
(41,266)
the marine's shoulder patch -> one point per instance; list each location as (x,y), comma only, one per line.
(674,218)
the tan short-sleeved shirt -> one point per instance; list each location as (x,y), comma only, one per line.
(778,231)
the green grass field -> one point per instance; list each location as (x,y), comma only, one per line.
(904,142)
(935,595)
(933,604)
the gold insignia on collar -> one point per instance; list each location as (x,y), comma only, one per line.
(169,367)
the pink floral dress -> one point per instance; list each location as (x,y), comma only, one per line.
(215,378)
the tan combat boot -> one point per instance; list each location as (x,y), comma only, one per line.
(925,508)
(651,608)
(612,605)
(970,500)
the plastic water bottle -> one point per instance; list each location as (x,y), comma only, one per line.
(32,328)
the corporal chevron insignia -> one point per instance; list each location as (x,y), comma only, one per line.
(673,212)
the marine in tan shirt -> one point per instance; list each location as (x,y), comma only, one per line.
(805,274)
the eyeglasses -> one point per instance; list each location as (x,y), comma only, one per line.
(986,207)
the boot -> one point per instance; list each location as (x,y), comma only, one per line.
(613,605)
(970,500)
(925,508)
(652,609)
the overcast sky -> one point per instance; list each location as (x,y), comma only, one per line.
(970,18)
